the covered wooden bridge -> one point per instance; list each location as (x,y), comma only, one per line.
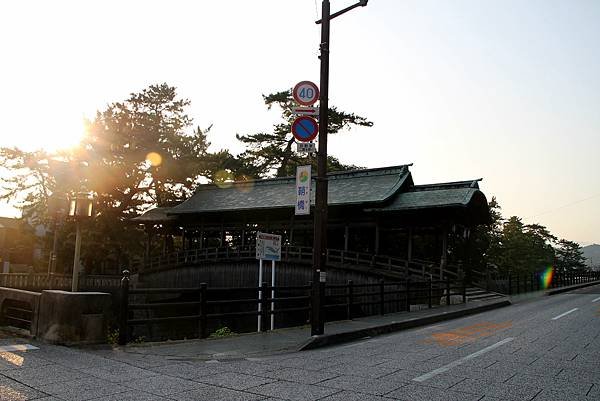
(377,217)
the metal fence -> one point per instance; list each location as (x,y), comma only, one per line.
(513,284)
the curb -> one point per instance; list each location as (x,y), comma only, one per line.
(339,338)
(571,287)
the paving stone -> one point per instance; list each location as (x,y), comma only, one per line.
(213,393)
(82,389)
(132,396)
(248,367)
(42,375)
(120,373)
(550,395)
(12,390)
(364,385)
(572,385)
(187,370)
(298,375)
(236,381)
(350,396)
(294,391)
(162,385)
(414,392)
(20,360)
(364,371)
(500,390)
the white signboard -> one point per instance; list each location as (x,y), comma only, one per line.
(305,111)
(268,246)
(306,147)
(303,190)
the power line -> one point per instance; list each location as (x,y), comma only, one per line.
(564,206)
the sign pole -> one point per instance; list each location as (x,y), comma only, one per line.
(320,230)
(260,277)
(272,294)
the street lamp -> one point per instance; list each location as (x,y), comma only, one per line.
(57,209)
(80,208)
(320,233)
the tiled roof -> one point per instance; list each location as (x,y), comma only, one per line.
(345,188)
(376,190)
(434,195)
(156,215)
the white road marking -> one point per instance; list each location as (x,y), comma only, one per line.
(596,300)
(460,361)
(564,314)
(17,347)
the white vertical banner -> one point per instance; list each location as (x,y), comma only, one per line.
(303,190)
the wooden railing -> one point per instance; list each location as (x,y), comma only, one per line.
(301,254)
(204,308)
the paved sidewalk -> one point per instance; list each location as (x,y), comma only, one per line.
(211,369)
(293,339)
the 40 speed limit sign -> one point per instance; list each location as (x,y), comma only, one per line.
(306,93)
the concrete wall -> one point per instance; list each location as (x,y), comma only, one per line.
(73,317)
(63,317)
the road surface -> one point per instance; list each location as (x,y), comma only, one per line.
(543,349)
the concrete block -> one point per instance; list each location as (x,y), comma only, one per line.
(72,318)
(454,300)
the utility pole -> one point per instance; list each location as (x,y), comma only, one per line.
(320,229)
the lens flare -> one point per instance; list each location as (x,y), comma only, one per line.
(154,159)
(245,184)
(223,179)
(546,278)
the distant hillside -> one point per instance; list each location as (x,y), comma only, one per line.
(592,254)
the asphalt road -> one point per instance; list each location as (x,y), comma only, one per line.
(542,349)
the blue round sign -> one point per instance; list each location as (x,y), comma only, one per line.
(305,129)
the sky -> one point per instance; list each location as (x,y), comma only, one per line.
(506,90)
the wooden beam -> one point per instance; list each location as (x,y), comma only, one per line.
(444,258)
(377,238)
(409,253)
(346,236)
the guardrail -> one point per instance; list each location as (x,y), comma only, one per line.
(300,254)
(513,284)
(342,301)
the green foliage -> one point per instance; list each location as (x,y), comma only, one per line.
(271,153)
(222,332)
(569,256)
(112,162)
(112,337)
(510,246)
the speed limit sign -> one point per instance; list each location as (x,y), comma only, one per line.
(306,93)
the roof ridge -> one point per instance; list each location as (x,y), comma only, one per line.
(332,174)
(470,183)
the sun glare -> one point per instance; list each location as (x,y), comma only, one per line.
(52,137)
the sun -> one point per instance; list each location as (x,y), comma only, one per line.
(57,137)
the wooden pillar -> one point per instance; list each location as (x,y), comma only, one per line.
(243,234)
(165,235)
(148,246)
(376,238)
(291,237)
(444,258)
(201,246)
(183,238)
(409,251)
(222,235)
(346,236)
